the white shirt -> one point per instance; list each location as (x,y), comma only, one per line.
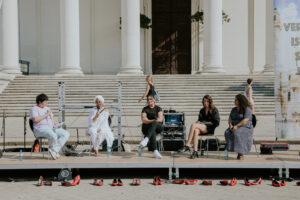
(101,122)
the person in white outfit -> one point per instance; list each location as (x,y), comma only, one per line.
(99,129)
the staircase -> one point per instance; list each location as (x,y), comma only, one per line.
(181,92)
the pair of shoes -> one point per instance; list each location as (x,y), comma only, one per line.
(117,182)
(41,182)
(207,182)
(278,184)
(194,155)
(157,154)
(136,182)
(100,183)
(157,180)
(75,182)
(240,157)
(191,182)
(233,182)
(255,182)
(144,142)
(178,181)
(184,149)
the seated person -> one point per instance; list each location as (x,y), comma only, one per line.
(43,126)
(99,129)
(239,135)
(208,120)
(152,117)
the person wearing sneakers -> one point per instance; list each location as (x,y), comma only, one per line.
(99,129)
(152,117)
(44,126)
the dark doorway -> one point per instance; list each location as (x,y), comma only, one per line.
(171,36)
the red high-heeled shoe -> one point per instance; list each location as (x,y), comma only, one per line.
(95,182)
(256,182)
(246,181)
(275,183)
(191,182)
(159,182)
(40,181)
(120,183)
(283,182)
(76,180)
(233,182)
(115,182)
(224,182)
(207,182)
(178,181)
(100,183)
(155,181)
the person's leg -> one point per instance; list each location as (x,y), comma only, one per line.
(149,130)
(195,139)
(49,134)
(191,134)
(62,137)
(108,136)
(94,139)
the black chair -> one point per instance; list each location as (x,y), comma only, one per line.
(40,140)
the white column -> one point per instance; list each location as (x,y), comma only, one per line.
(213,36)
(130,38)
(70,48)
(269,66)
(10,37)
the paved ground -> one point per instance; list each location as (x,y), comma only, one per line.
(28,191)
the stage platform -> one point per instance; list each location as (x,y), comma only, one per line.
(289,160)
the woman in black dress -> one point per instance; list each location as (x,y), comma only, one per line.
(208,120)
(149,88)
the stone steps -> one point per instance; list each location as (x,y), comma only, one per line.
(181,92)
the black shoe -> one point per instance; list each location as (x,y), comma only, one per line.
(184,149)
(194,155)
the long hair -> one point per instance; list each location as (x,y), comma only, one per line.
(243,103)
(211,105)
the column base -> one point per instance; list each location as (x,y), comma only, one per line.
(15,70)
(212,69)
(136,70)
(69,71)
(268,69)
(6,77)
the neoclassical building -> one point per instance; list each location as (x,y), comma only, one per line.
(75,37)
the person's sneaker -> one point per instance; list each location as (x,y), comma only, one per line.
(184,149)
(52,154)
(57,155)
(144,142)
(157,154)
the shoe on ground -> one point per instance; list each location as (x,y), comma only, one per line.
(157,154)
(144,142)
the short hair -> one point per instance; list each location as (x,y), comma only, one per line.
(41,98)
(249,80)
(150,95)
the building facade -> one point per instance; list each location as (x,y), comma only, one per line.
(76,37)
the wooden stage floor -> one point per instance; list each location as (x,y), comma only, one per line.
(290,160)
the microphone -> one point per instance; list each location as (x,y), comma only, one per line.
(98,108)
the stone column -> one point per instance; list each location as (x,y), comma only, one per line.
(70,42)
(213,36)
(269,66)
(130,38)
(10,37)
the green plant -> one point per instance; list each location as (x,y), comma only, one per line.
(144,22)
(199,17)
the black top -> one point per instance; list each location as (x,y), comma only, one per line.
(152,113)
(151,90)
(213,117)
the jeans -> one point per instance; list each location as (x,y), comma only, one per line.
(56,137)
(150,131)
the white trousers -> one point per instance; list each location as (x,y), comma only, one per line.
(98,138)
